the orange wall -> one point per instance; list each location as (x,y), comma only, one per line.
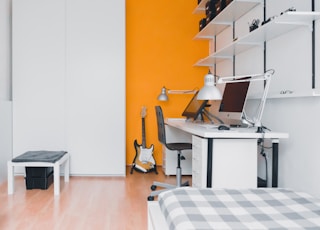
(160,52)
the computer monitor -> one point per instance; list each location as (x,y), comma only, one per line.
(194,107)
(233,101)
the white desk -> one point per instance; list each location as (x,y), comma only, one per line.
(226,158)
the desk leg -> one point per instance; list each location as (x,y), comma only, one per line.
(56,179)
(275,153)
(209,163)
(10,177)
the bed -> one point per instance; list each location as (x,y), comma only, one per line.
(262,208)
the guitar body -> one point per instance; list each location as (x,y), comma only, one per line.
(143,160)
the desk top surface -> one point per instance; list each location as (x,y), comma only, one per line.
(211,131)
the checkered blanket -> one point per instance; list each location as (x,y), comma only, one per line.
(263,208)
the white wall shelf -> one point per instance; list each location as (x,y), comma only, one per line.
(201,7)
(278,26)
(224,19)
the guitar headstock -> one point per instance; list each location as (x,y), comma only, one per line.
(143,112)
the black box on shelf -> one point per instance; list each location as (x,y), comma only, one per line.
(211,6)
(218,8)
(202,23)
(210,17)
(39,177)
(225,3)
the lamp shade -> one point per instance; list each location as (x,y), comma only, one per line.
(163,95)
(209,91)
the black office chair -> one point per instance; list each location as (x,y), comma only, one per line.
(171,146)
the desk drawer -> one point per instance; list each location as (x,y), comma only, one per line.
(169,162)
(199,159)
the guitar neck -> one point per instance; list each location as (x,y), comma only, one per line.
(143,134)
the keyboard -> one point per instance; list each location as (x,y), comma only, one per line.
(209,126)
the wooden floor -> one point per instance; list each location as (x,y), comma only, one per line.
(84,203)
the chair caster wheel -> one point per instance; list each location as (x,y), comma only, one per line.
(150,198)
(153,187)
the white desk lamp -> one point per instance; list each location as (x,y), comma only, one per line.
(209,92)
(256,121)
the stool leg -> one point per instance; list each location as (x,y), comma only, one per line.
(10,177)
(178,171)
(56,179)
(66,171)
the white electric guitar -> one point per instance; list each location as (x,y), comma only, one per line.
(143,160)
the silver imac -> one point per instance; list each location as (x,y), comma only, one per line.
(233,101)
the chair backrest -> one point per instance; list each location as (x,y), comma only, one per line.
(161,125)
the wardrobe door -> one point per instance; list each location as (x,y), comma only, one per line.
(96,86)
(38,69)
(69,81)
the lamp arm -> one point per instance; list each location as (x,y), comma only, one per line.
(261,106)
(246,78)
(243,78)
(188,91)
(164,97)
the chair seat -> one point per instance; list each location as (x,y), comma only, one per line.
(178,146)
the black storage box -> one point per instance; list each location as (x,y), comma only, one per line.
(39,177)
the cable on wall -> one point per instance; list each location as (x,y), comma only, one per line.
(313,48)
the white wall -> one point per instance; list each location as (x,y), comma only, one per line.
(5,87)
(5,48)
(5,137)
(299,156)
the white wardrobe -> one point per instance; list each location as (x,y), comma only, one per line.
(69,81)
